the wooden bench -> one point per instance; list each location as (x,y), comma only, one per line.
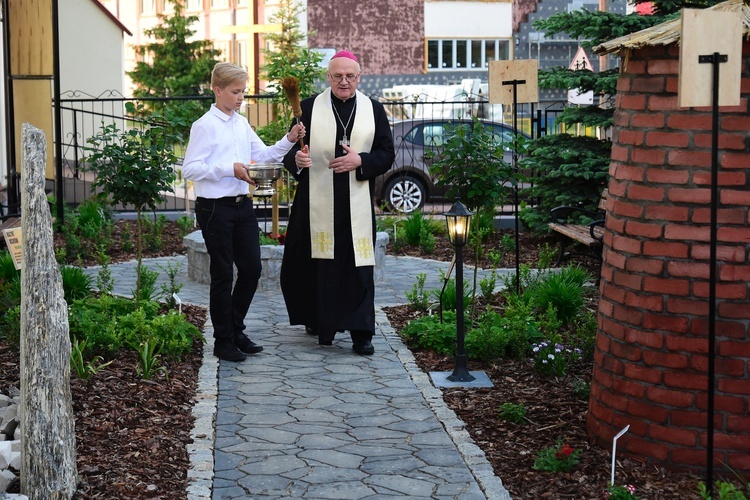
(589,235)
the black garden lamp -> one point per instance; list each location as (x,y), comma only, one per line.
(458,219)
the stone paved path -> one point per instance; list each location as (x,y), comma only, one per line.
(303,421)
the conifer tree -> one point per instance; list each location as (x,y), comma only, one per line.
(573,170)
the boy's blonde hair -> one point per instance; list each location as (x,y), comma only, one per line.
(225,73)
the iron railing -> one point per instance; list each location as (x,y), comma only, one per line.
(83,116)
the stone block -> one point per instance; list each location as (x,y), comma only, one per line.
(270,256)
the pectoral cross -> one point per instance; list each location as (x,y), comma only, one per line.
(344,141)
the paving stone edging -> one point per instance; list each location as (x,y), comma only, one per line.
(475,459)
(201,450)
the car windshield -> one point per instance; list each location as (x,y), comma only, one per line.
(438,133)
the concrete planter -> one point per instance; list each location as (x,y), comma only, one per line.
(270,256)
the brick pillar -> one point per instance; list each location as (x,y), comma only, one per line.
(651,362)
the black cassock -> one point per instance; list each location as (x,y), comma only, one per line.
(332,294)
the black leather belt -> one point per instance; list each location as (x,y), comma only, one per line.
(236,201)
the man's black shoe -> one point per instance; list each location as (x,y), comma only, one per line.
(363,347)
(228,352)
(310,330)
(247,346)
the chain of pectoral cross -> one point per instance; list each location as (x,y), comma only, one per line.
(344,140)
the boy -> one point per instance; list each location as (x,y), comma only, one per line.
(221,145)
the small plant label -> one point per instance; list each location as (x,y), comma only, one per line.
(178,302)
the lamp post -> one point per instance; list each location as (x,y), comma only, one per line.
(458,219)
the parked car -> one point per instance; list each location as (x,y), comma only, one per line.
(409,184)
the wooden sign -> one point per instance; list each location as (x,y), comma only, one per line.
(14,238)
(502,73)
(705,32)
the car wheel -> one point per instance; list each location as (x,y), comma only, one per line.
(405,194)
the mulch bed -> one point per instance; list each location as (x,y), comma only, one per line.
(131,433)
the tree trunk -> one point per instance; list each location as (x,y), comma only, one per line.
(48,453)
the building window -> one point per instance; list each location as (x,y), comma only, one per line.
(242,54)
(219,4)
(194,5)
(148,6)
(465,54)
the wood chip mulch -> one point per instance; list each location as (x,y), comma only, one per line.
(132,434)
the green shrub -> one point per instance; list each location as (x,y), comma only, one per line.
(448,298)
(76,283)
(428,332)
(503,336)
(563,291)
(186,225)
(174,334)
(8,270)
(426,239)
(418,298)
(413,227)
(511,412)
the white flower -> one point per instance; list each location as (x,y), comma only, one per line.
(551,356)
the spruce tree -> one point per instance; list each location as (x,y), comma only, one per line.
(173,65)
(572,169)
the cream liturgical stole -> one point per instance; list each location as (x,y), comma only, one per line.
(322,149)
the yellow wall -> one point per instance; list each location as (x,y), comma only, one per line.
(32,70)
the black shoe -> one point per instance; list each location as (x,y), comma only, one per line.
(363,347)
(310,330)
(228,352)
(246,345)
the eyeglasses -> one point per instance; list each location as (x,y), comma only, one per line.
(339,78)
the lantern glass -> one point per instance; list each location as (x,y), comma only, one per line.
(458,219)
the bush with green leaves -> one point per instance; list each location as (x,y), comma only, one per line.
(507,335)
(78,363)
(724,490)
(447,297)
(149,363)
(75,282)
(133,168)
(186,225)
(470,166)
(430,333)
(86,229)
(512,412)
(563,291)
(413,227)
(109,323)
(418,298)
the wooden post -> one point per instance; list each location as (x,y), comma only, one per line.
(253,30)
(48,452)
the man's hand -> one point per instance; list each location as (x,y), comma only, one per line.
(350,161)
(302,158)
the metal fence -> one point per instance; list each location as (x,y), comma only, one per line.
(83,116)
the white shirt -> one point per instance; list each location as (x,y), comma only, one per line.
(217,141)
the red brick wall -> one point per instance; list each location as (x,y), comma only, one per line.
(387,36)
(651,358)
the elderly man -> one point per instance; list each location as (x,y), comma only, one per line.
(329,255)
